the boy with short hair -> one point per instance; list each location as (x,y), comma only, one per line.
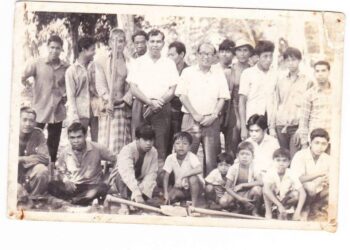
(243,184)
(282,187)
(216,180)
(187,170)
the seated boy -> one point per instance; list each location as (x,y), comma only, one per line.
(216,180)
(312,166)
(244,184)
(282,187)
(135,175)
(187,171)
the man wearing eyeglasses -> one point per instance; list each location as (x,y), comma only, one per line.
(203,91)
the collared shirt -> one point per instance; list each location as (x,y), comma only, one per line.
(258,86)
(78,81)
(104,83)
(171,164)
(215,178)
(48,89)
(263,153)
(153,78)
(289,96)
(233,173)
(88,169)
(281,187)
(303,163)
(316,111)
(203,89)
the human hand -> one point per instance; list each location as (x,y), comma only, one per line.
(156,105)
(70,186)
(139,199)
(208,120)
(197,117)
(272,132)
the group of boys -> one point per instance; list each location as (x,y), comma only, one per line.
(266,121)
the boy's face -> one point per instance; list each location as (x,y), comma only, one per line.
(256,133)
(225,57)
(55,50)
(318,145)
(265,60)
(140,45)
(77,140)
(292,63)
(243,53)
(182,146)
(321,73)
(145,144)
(245,157)
(282,163)
(223,168)
(27,122)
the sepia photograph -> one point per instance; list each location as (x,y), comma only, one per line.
(175,115)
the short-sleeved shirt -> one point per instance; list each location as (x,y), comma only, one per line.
(203,89)
(215,178)
(172,165)
(153,78)
(88,170)
(263,152)
(289,96)
(78,82)
(48,90)
(281,187)
(303,163)
(258,86)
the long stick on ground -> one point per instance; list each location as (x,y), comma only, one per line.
(225,214)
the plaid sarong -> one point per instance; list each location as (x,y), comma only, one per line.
(119,130)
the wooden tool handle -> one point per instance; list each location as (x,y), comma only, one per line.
(221,213)
(111,198)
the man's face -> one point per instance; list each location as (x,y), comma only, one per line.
(256,133)
(318,145)
(140,45)
(245,157)
(77,139)
(54,49)
(292,63)
(90,53)
(225,57)
(182,146)
(205,55)
(119,41)
(145,144)
(243,53)
(27,123)
(223,168)
(282,163)
(265,60)
(321,73)
(173,55)
(155,45)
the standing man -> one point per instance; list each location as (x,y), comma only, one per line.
(176,52)
(256,87)
(139,39)
(203,91)
(244,50)
(290,91)
(226,53)
(49,92)
(115,117)
(153,80)
(33,174)
(79,83)
(316,111)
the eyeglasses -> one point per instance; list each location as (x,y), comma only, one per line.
(204,54)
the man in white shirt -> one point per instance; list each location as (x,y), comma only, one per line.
(203,91)
(153,80)
(256,87)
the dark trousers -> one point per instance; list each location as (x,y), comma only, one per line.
(175,127)
(83,195)
(53,140)
(287,139)
(93,123)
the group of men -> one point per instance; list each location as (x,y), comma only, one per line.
(131,102)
